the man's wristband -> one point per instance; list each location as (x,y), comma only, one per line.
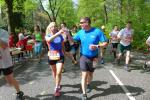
(98,46)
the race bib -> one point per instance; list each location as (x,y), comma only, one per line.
(53,55)
(114,37)
(127,38)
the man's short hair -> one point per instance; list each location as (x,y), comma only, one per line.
(129,22)
(64,24)
(115,25)
(87,19)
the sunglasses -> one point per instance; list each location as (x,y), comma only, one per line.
(82,22)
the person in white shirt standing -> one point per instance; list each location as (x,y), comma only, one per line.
(114,40)
(126,37)
(147,62)
(6,66)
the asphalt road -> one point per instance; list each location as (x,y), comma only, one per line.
(111,81)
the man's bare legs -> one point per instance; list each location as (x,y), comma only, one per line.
(12,81)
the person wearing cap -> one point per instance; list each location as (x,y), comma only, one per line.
(103,49)
(89,38)
(6,65)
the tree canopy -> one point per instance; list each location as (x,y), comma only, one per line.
(27,13)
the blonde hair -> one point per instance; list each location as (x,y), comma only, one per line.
(48,29)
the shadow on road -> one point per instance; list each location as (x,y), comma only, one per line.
(52,97)
(2,82)
(116,89)
(94,84)
(30,98)
(32,71)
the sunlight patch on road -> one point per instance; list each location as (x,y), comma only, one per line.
(42,93)
(1,77)
(31,82)
(14,94)
(129,95)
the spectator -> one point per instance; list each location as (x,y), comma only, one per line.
(38,42)
(11,40)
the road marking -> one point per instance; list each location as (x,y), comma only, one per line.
(129,95)
(14,94)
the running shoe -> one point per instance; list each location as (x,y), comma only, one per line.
(83,97)
(57,92)
(88,89)
(20,95)
(145,66)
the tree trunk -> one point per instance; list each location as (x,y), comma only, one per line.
(105,13)
(11,27)
(120,10)
(46,11)
(120,7)
(128,12)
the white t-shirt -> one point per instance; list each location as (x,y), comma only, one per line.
(113,36)
(148,41)
(5,57)
(126,36)
(21,36)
